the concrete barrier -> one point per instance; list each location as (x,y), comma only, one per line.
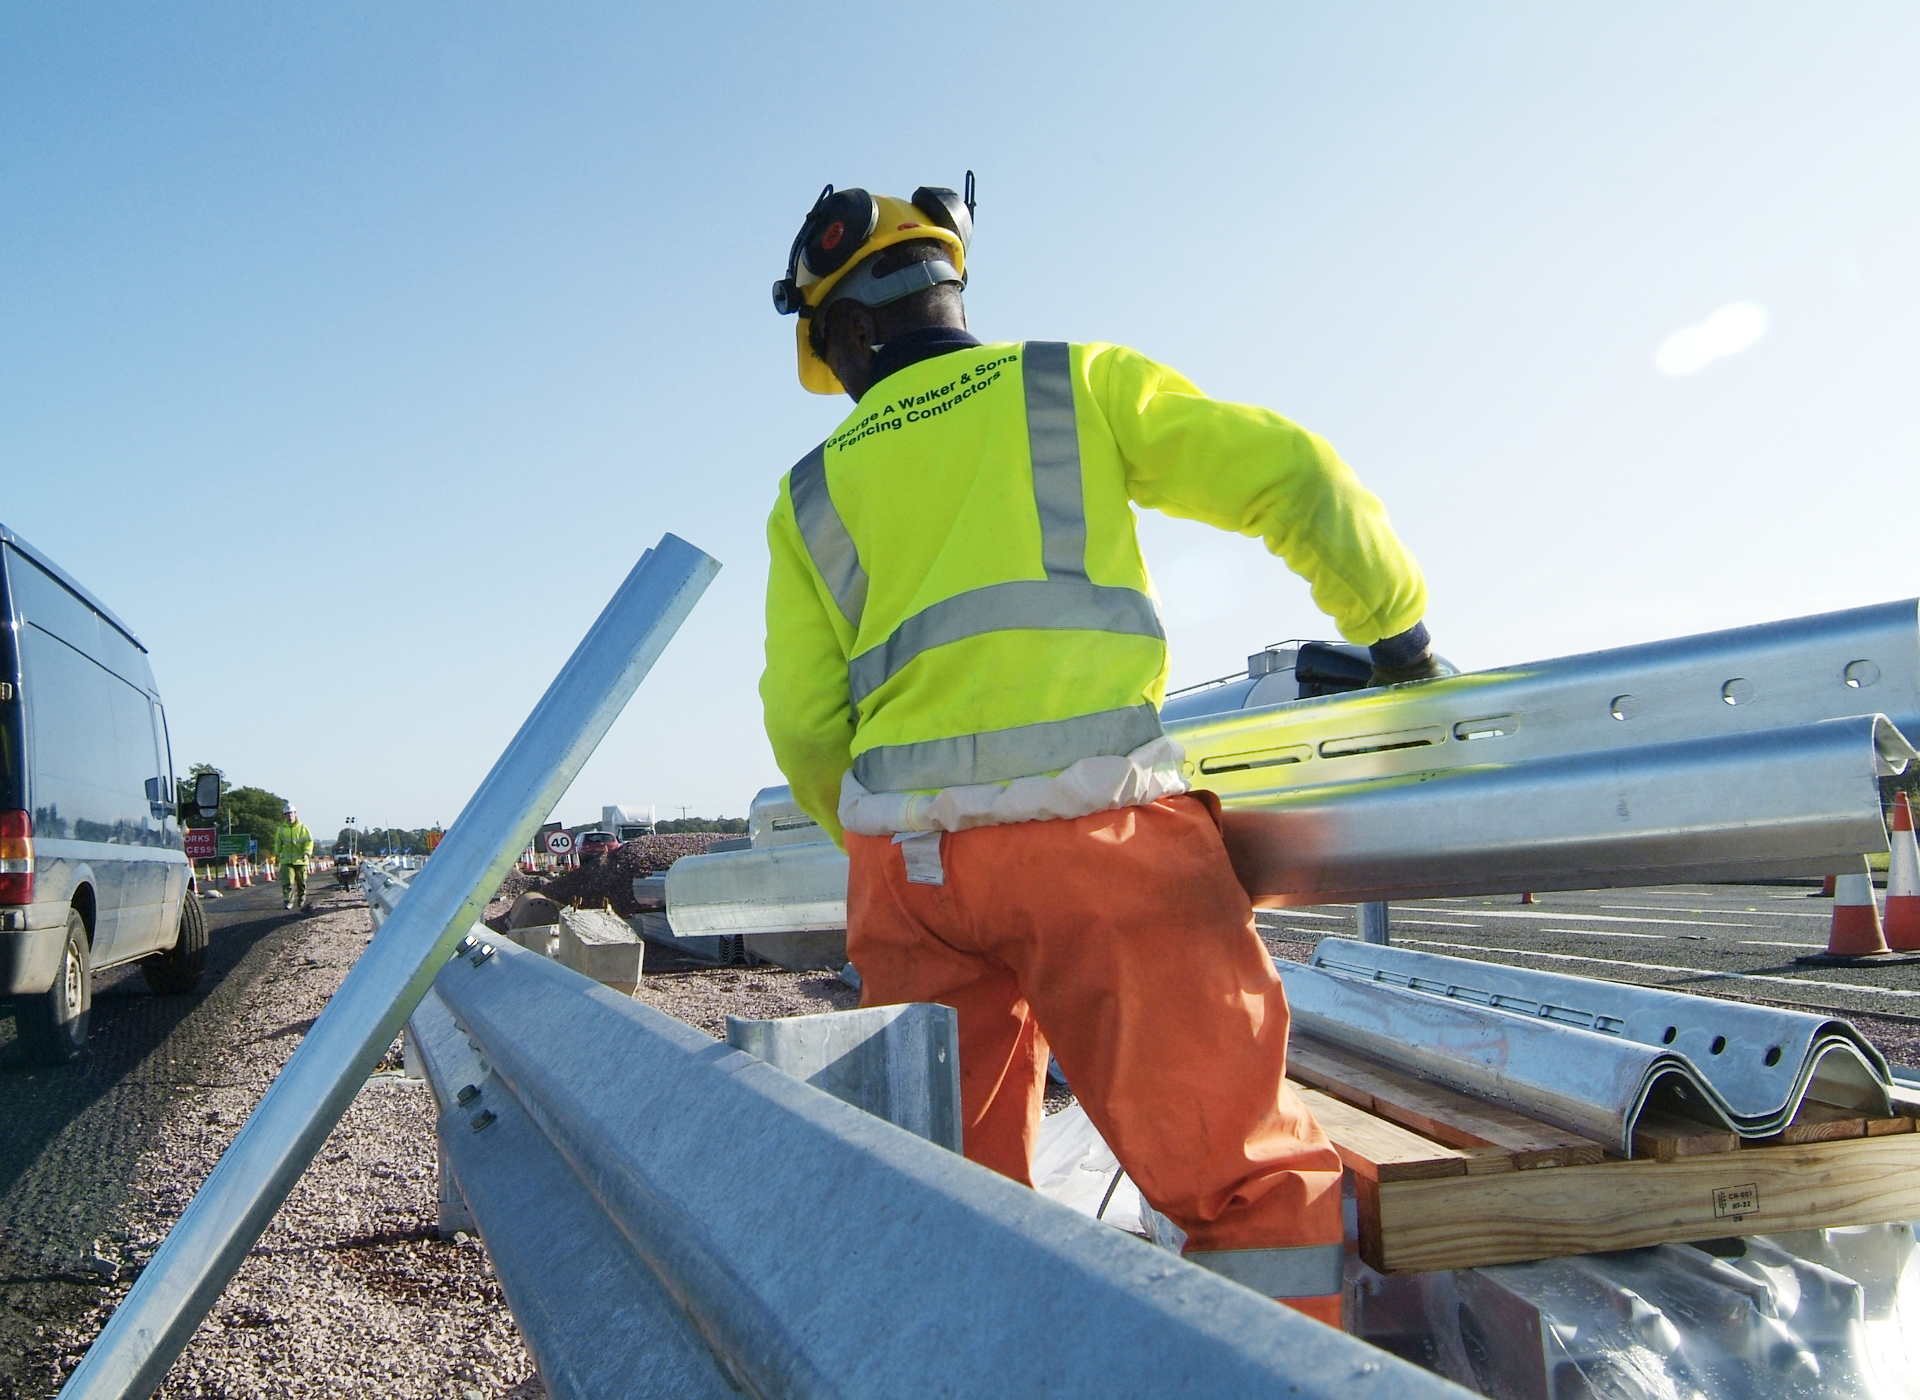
(602,946)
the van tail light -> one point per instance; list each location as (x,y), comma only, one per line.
(16,858)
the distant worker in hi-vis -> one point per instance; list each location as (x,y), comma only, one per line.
(965,664)
(292,848)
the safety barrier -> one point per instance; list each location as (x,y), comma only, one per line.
(670,1216)
(187,1273)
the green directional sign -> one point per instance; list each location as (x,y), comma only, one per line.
(236,844)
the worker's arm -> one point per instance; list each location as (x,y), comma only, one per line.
(1251,471)
(804,688)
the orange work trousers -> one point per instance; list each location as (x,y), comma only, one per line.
(1123,942)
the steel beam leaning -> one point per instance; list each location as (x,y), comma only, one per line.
(1585,1055)
(891,1266)
(1698,758)
(246,1186)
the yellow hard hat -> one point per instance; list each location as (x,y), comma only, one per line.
(832,258)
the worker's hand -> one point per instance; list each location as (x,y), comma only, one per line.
(1407,657)
(1427,667)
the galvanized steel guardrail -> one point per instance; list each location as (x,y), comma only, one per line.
(1749,753)
(186,1275)
(671,1216)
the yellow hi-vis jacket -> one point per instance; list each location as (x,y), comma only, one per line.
(956,593)
(292,845)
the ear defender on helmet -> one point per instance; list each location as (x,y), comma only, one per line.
(947,209)
(833,257)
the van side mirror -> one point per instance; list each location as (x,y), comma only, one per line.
(160,797)
(206,794)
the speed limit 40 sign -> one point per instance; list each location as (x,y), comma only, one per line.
(559,843)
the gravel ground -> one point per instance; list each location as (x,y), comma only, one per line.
(706,998)
(349,1292)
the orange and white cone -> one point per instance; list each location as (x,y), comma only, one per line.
(233,875)
(1855,932)
(1903,882)
(1826,888)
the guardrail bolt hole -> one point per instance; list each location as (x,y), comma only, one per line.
(1672,1031)
(1719,1044)
(1861,674)
(1624,707)
(468,1093)
(1737,691)
(1773,1055)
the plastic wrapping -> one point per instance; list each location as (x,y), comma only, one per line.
(1820,1313)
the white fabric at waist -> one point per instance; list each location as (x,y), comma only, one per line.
(1101,784)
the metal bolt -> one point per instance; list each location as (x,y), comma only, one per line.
(468,1093)
(485,951)
(482,1119)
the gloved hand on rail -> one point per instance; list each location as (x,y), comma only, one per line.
(1407,657)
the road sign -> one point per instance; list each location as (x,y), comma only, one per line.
(203,842)
(234,844)
(559,843)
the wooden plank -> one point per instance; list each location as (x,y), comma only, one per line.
(1464,1222)
(1887,1127)
(1665,1137)
(1437,1112)
(1377,1149)
(1819,1122)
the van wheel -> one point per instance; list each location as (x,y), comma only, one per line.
(178,969)
(53,1025)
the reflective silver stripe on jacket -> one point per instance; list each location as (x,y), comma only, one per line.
(1306,1271)
(1025,604)
(1001,754)
(1053,441)
(1065,600)
(826,537)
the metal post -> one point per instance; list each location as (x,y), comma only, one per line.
(1373,923)
(159,1316)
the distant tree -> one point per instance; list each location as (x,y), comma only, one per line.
(732,826)
(253,810)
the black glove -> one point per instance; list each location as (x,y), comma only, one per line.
(1407,657)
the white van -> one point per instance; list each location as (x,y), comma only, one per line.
(93,872)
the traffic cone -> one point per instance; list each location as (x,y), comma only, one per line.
(1826,888)
(1903,882)
(1855,931)
(233,874)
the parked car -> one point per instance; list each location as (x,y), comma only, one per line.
(93,870)
(595,846)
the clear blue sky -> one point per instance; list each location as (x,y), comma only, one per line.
(354,352)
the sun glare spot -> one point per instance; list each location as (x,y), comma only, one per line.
(1727,331)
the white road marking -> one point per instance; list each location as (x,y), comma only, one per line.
(1685,971)
(1773,943)
(1300,914)
(1622,933)
(1399,922)
(1678,909)
(1594,918)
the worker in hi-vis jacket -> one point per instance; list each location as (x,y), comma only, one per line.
(293,848)
(964,670)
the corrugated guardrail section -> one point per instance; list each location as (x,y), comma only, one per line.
(670,1216)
